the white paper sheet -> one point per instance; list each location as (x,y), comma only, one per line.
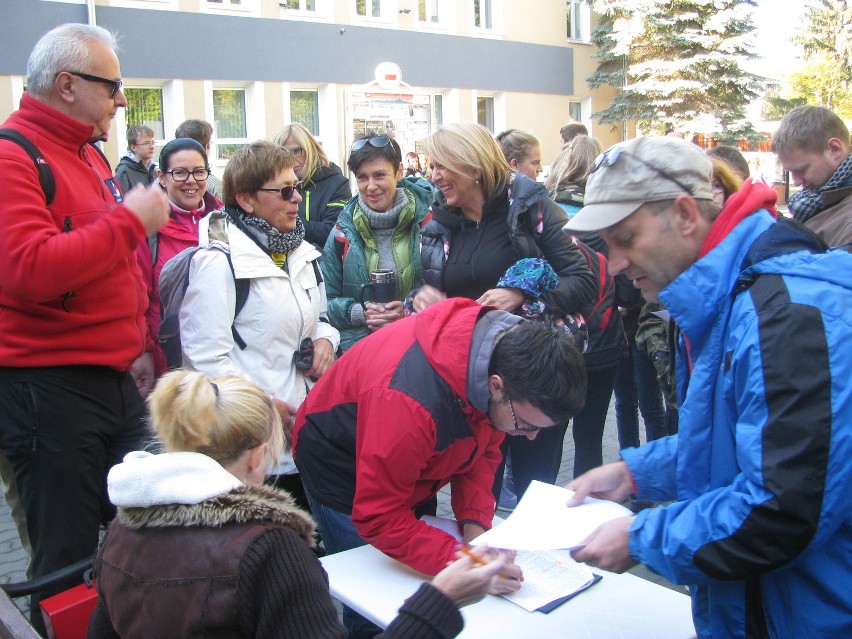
(548,577)
(542,521)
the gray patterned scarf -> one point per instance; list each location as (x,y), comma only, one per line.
(806,203)
(269,239)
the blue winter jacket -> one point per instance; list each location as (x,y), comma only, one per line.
(760,470)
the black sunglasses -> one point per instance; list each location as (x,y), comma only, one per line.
(379,141)
(610,157)
(115,84)
(285,191)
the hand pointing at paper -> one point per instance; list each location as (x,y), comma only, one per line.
(612,481)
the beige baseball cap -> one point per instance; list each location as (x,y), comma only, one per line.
(633,173)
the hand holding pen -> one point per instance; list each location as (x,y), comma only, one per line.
(508,579)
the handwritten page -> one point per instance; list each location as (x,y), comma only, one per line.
(548,577)
(543,521)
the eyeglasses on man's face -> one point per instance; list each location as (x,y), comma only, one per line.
(182,175)
(378,141)
(610,157)
(115,84)
(529,428)
(144,143)
(285,191)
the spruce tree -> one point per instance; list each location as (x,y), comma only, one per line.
(678,63)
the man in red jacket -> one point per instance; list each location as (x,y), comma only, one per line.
(423,403)
(72,302)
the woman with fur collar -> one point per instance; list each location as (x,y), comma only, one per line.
(201,548)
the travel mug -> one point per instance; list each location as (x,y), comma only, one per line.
(381,287)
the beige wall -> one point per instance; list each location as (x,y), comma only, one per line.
(7,99)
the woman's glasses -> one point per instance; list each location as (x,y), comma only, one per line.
(182,175)
(115,84)
(285,191)
(296,151)
(610,157)
(378,141)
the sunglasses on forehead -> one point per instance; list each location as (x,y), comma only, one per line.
(610,157)
(378,141)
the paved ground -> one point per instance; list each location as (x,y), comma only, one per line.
(13,560)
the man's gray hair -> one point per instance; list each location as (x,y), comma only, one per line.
(64,48)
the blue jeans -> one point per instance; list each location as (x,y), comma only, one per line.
(339,534)
(637,390)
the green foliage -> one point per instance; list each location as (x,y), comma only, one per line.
(828,32)
(820,83)
(776,107)
(826,79)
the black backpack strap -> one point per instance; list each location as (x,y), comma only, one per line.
(101,153)
(242,289)
(45,174)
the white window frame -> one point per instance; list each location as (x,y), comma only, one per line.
(255,118)
(322,13)
(147,85)
(582,14)
(245,8)
(493,103)
(155,5)
(305,89)
(388,13)
(496,30)
(446,17)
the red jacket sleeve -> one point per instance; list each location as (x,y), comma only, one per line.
(395,445)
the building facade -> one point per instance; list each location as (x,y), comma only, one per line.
(251,66)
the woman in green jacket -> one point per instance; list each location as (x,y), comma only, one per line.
(378,229)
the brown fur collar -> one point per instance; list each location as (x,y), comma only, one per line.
(240,506)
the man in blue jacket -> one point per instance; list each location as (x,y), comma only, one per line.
(760,519)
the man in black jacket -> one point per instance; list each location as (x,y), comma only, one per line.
(137,166)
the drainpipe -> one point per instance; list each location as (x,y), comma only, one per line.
(90,11)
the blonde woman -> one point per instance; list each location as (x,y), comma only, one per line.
(324,188)
(486,217)
(566,181)
(201,547)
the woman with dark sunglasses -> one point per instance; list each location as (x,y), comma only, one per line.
(324,187)
(379,229)
(183,172)
(280,339)
(486,217)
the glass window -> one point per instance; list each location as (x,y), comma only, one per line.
(485,112)
(300,5)
(233,3)
(575,111)
(578,16)
(482,17)
(369,8)
(427,11)
(304,108)
(229,115)
(145,106)
(439,109)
